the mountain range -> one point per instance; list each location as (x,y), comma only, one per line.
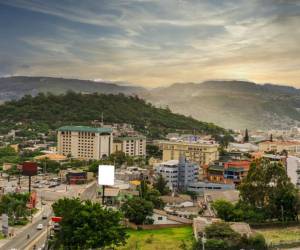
(230,104)
(12,88)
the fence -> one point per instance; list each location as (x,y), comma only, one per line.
(154,226)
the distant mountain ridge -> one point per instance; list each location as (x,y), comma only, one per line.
(232,104)
(15,87)
(228,103)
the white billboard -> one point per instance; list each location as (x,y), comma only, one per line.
(106,175)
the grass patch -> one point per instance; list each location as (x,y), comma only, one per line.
(280,235)
(160,239)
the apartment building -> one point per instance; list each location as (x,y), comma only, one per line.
(200,152)
(226,172)
(84,142)
(178,173)
(292,147)
(131,146)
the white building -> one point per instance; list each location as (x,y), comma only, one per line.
(84,142)
(242,147)
(293,169)
(178,173)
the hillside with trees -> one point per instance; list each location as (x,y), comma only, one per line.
(49,111)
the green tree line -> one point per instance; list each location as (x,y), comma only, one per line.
(52,111)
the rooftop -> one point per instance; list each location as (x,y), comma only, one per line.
(195,143)
(127,138)
(85,129)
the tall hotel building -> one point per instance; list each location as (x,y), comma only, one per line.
(84,142)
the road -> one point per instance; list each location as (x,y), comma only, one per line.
(20,241)
(38,237)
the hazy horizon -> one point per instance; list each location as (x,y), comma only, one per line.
(152,43)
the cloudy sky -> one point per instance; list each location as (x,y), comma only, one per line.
(152,42)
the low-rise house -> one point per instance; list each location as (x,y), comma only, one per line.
(200,223)
(200,186)
(52,157)
(161,217)
(228,195)
(181,200)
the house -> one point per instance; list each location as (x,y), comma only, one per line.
(161,217)
(200,223)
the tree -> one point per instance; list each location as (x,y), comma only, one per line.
(161,185)
(150,195)
(153,196)
(7,151)
(224,209)
(221,236)
(246,137)
(153,151)
(267,187)
(87,225)
(14,205)
(138,210)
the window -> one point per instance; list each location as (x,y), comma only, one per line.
(160,218)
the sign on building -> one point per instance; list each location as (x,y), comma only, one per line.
(106,175)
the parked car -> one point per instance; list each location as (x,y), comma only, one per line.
(39,226)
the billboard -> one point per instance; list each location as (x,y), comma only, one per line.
(29,168)
(106,175)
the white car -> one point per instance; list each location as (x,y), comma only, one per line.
(39,226)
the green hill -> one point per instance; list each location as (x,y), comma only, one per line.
(46,111)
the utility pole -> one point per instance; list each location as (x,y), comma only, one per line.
(103,190)
(203,241)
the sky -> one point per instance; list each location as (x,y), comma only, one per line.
(152,42)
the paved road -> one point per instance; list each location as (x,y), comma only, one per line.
(38,237)
(20,241)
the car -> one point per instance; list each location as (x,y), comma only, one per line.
(39,226)
(44,216)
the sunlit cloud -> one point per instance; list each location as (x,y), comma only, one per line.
(152,43)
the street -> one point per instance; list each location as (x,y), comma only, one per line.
(20,241)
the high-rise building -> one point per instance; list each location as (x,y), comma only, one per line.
(199,152)
(178,173)
(131,146)
(84,142)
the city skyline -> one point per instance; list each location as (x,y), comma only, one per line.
(152,43)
